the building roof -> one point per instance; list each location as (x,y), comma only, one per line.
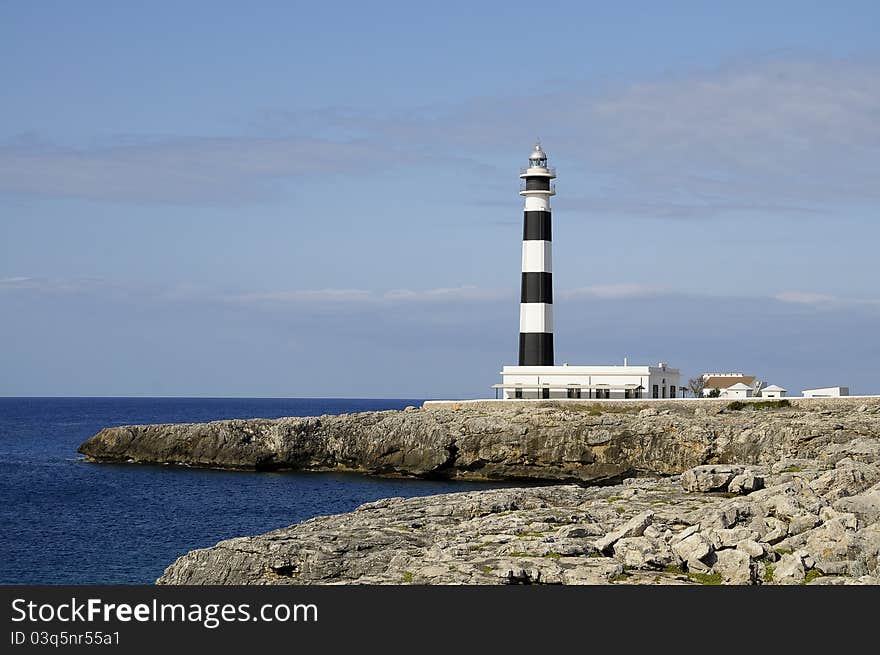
(774,387)
(725,381)
(739,386)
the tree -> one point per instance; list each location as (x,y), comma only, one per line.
(696,386)
(759,384)
(714,393)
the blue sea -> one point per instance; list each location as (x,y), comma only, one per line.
(67,521)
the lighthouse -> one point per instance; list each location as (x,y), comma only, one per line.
(536,297)
(536,377)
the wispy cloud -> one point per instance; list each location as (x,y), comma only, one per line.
(822,300)
(784,136)
(614,291)
(363,296)
(179,170)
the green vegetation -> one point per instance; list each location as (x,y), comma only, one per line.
(768,573)
(706,578)
(672,568)
(520,553)
(783,551)
(619,510)
(407,577)
(812,574)
(487,570)
(792,469)
(620,577)
(737,405)
(553,555)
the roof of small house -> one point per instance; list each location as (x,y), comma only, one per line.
(725,382)
(739,386)
(774,387)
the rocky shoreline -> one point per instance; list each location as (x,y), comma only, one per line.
(555,441)
(676,492)
(794,523)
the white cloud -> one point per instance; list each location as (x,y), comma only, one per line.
(614,291)
(821,299)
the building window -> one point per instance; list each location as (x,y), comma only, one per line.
(664,391)
(656,391)
(545,392)
(517,393)
(627,393)
(672,391)
(574,392)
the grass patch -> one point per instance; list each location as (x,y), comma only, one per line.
(738,405)
(531,534)
(595,554)
(553,555)
(792,469)
(768,573)
(520,553)
(612,499)
(783,551)
(672,568)
(487,570)
(811,575)
(407,577)
(619,510)
(706,578)
(620,577)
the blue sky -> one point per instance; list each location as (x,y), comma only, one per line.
(286,199)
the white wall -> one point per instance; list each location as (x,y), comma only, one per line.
(826,392)
(558,377)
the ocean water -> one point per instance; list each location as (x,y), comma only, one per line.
(67,521)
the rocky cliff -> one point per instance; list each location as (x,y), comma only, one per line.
(561,441)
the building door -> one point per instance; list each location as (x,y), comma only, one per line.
(656,391)
(672,391)
(545,392)
(517,393)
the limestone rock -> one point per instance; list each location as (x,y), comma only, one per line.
(694,551)
(635,527)
(746,483)
(710,477)
(789,570)
(734,566)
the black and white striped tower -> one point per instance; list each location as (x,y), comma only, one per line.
(536,299)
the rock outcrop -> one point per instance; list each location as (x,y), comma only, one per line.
(795,530)
(560,441)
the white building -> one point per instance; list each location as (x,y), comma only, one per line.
(724,381)
(598,382)
(773,391)
(826,392)
(738,390)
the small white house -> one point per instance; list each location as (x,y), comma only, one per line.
(721,382)
(773,391)
(826,392)
(738,390)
